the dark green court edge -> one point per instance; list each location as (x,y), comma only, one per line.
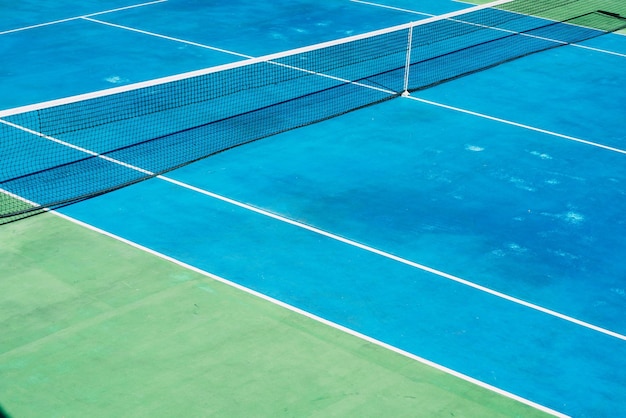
(574,11)
(93,327)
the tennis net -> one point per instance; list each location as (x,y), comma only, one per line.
(64,151)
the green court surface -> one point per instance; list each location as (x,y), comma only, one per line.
(553,10)
(95,327)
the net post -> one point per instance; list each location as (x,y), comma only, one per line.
(407,65)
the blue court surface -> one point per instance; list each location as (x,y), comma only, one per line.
(478,224)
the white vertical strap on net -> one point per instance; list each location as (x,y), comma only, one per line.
(451,15)
(407,65)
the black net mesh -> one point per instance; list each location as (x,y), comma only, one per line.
(57,155)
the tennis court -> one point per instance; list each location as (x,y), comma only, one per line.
(453,252)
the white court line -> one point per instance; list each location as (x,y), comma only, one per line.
(77,148)
(383,6)
(339,239)
(80,17)
(604,51)
(342,80)
(519,125)
(315,317)
(430,19)
(169,38)
(395,258)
